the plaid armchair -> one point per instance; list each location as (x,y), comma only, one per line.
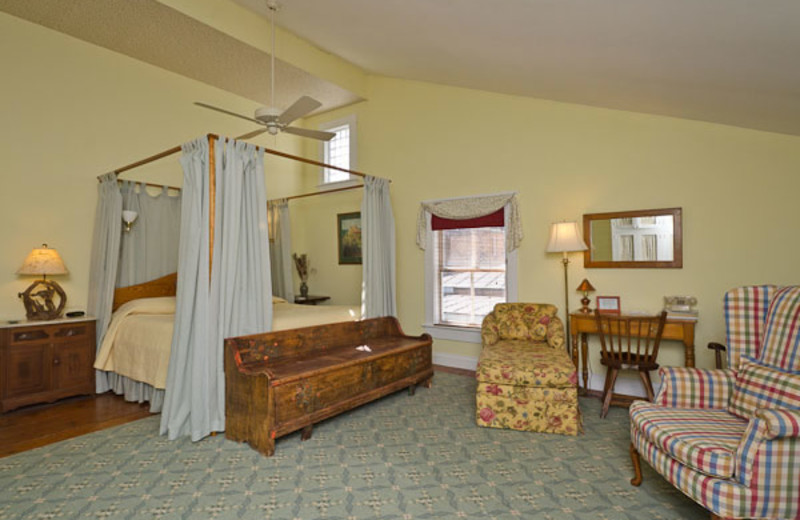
(730,439)
(526,379)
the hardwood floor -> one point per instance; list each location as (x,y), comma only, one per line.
(39,425)
(35,426)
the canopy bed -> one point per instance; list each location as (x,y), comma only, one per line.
(223,285)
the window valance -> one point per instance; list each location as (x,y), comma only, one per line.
(473,208)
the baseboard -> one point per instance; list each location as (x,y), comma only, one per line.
(627,386)
(455,361)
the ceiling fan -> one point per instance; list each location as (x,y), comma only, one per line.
(271,117)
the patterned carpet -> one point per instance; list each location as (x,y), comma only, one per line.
(404,457)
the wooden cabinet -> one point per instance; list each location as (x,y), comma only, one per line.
(45,361)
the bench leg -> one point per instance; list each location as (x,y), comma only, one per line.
(307,431)
(412,389)
(428,382)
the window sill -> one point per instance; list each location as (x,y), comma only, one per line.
(464,334)
(338,184)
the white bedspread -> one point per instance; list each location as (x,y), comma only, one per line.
(138,341)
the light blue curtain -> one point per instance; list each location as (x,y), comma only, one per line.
(238,300)
(280,249)
(378,250)
(187,378)
(150,249)
(104,260)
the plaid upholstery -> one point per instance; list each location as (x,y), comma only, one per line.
(781,345)
(724,497)
(745,312)
(689,436)
(770,464)
(683,387)
(705,440)
(761,386)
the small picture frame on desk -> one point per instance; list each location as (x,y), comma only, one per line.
(608,305)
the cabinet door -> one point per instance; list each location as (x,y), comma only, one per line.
(72,366)
(27,369)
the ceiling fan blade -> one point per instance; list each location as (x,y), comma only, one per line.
(314,134)
(301,107)
(234,114)
(252,134)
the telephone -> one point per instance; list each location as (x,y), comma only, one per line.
(680,304)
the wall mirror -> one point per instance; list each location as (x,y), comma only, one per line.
(645,238)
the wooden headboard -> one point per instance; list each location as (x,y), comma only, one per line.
(164,286)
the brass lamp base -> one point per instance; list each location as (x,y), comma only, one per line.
(585,302)
(38,300)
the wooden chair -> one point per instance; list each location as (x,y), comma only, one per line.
(628,343)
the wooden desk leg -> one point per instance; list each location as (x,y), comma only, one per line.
(585,360)
(688,343)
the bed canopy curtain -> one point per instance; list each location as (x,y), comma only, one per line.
(378,250)
(236,300)
(150,249)
(280,249)
(104,261)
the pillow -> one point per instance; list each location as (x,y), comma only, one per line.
(762,386)
(278,299)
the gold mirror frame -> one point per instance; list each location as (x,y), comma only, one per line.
(677,237)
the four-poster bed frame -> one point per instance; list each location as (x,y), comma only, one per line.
(166,285)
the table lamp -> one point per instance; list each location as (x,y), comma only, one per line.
(38,298)
(565,237)
(585,287)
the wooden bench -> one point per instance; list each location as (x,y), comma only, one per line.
(284,381)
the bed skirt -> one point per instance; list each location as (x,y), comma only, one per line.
(136,391)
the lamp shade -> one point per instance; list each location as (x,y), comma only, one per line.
(43,261)
(565,237)
(585,286)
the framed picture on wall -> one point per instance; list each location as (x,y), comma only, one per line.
(608,305)
(348,226)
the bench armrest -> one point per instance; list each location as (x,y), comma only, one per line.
(684,387)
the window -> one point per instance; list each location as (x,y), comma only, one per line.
(339,151)
(468,271)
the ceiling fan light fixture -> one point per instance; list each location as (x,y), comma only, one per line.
(267,114)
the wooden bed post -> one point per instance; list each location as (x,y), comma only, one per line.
(212,200)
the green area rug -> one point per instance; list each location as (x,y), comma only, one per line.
(402,457)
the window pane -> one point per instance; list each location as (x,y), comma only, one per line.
(337,153)
(471,274)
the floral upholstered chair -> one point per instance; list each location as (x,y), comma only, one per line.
(730,439)
(526,379)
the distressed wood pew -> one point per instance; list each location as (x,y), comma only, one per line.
(280,382)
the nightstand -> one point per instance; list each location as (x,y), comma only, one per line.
(43,361)
(310,299)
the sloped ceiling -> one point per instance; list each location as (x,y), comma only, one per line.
(733,62)
(154,33)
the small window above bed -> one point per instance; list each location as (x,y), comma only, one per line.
(339,151)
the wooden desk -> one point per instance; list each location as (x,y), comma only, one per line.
(582,324)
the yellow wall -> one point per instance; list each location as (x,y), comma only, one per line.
(737,189)
(71,111)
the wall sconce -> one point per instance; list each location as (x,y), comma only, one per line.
(585,287)
(38,298)
(128,216)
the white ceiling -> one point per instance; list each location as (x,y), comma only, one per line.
(726,61)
